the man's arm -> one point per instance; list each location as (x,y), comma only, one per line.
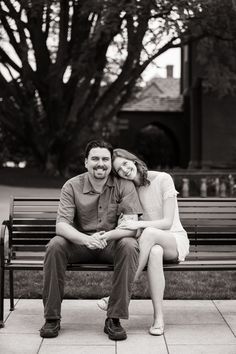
(129,209)
(71,234)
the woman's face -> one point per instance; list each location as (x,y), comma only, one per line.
(125,168)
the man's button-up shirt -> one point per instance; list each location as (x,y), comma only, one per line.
(88,211)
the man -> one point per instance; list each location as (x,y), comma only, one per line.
(89,208)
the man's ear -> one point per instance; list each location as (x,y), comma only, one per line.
(85,163)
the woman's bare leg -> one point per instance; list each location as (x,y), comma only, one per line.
(156,281)
(155,245)
(151,237)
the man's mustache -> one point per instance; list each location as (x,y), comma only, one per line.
(100,167)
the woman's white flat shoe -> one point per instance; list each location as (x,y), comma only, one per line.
(103,303)
(156,331)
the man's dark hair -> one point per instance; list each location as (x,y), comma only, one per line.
(98,143)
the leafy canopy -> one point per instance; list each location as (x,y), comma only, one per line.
(68,66)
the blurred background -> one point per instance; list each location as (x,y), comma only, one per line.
(155,77)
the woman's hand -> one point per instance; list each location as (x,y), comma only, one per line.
(129,225)
(103,236)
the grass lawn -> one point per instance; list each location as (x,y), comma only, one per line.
(92,285)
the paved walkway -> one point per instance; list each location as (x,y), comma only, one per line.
(192,327)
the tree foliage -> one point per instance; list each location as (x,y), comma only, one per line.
(68,66)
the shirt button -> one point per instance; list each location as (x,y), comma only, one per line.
(99,220)
(100,207)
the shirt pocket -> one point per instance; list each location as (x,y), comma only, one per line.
(112,213)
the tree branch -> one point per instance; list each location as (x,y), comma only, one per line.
(38,39)
(9,31)
(62,52)
(23,53)
(7,60)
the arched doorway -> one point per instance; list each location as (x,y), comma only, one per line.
(157,146)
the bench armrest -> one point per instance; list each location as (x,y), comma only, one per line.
(3,240)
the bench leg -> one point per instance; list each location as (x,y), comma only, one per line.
(2,297)
(11,282)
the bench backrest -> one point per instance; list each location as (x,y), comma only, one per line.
(32,225)
(210,223)
(211,226)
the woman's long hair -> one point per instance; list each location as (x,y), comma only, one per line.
(141,166)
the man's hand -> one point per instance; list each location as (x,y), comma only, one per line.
(96,241)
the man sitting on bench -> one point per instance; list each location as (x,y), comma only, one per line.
(90,204)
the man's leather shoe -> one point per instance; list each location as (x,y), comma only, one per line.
(50,329)
(114,329)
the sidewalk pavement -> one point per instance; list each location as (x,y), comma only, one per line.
(192,327)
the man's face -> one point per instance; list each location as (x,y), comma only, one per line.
(98,163)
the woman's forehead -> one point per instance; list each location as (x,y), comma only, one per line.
(119,160)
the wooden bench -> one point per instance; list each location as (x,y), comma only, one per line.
(210,223)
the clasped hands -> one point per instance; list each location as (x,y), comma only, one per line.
(97,240)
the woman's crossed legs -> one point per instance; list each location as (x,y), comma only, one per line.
(156,245)
(150,237)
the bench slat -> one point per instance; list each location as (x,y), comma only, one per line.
(36,209)
(210,209)
(185,266)
(32,228)
(32,233)
(40,247)
(211,222)
(206,215)
(34,215)
(39,221)
(34,241)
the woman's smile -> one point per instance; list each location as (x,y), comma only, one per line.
(128,173)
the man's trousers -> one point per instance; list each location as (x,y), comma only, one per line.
(122,253)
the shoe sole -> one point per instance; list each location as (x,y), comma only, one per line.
(47,335)
(51,334)
(115,337)
(156,332)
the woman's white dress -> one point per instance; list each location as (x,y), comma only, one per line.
(152,198)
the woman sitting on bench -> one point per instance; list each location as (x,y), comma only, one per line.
(161,235)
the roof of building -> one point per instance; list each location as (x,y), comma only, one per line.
(168,86)
(160,94)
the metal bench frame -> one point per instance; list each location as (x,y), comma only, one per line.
(209,222)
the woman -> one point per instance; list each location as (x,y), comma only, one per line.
(162,236)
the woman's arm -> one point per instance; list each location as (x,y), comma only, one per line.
(118,232)
(164,224)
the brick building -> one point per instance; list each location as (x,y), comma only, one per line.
(154,124)
(175,123)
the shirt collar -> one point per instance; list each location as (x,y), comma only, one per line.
(88,188)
